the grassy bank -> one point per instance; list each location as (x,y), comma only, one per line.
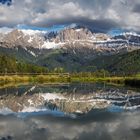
(57,78)
(60,78)
(36,78)
(117,80)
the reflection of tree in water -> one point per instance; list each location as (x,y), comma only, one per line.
(51,105)
(6,138)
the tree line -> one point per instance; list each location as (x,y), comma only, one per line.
(11,65)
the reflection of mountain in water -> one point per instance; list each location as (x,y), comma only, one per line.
(68,98)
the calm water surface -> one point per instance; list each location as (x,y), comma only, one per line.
(69,112)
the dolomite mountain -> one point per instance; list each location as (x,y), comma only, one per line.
(71,45)
(68,37)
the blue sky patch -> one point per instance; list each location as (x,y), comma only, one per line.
(54,28)
(8,2)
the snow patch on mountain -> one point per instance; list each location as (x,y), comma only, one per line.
(30,39)
(32,53)
(51,45)
(78,30)
(33,32)
(131,34)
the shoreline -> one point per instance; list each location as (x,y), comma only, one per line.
(60,78)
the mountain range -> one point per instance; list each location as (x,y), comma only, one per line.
(73,48)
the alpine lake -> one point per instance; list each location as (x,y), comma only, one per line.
(76,111)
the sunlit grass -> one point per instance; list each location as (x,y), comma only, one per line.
(38,78)
(60,78)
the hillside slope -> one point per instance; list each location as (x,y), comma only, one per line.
(126,64)
(9,64)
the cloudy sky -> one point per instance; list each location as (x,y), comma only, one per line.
(102,15)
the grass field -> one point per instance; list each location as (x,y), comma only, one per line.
(60,78)
(37,78)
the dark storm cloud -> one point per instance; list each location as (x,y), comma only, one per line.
(101,25)
(136,8)
(101,15)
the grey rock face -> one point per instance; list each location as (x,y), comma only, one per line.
(74,34)
(19,38)
(75,39)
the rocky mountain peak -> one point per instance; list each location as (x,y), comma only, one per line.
(20,38)
(13,36)
(73,37)
(74,34)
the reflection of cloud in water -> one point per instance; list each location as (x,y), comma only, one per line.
(38,113)
(103,125)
